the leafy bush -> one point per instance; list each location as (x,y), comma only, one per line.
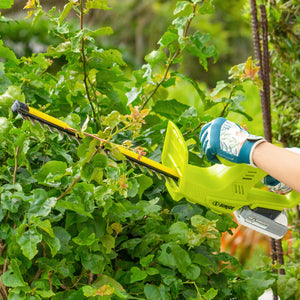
(76,221)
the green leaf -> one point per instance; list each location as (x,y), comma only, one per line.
(168,37)
(207,7)
(66,10)
(192,272)
(144,183)
(132,95)
(53,243)
(173,255)
(108,242)
(28,242)
(153,292)
(180,6)
(171,109)
(51,171)
(108,58)
(76,42)
(179,231)
(112,119)
(4,126)
(133,187)
(45,225)
(64,237)
(84,238)
(221,85)
(41,205)
(287,286)
(87,171)
(78,208)
(180,23)
(63,48)
(97,4)
(257,282)
(99,161)
(101,31)
(152,271)
(145,261)
(13,276)
(186,211)
(106,280)
(201,260)
(93,262)
(7,53)
(210,294)
(89,291)
(199,48)
(11,94)
(155,57)
(4,4)
(137,274)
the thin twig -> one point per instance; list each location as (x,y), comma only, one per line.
(91,278)
(16,164)
(50,281)
(37,275)
(193,130)
(84,62)
(177,52)
(69,188)
(79,177)
(95,97)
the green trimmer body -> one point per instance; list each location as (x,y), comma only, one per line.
(222,188)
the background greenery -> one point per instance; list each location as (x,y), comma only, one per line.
(79,223)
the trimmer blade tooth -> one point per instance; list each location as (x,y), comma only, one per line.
(164,176)
(141,168)
(132,164)
(23,116)
(60,132)
(33,122)
(50,128)
(150,172)
(169,180)
(70,137)
(76,138)
(42,124)
(158,175)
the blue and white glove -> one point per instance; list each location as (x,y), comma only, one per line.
(228,140)
(275,186)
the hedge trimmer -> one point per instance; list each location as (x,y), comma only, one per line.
(224,189)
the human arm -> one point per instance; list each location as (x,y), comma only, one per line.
(280,163)
(223,138)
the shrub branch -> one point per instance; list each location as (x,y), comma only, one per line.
(171,61)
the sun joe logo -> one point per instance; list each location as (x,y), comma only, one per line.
(222,205)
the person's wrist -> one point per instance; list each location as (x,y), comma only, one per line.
(256,152)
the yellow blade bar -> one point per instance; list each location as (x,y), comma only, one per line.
(28,112)
(49,119)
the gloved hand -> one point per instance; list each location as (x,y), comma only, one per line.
(228,140)
(275,186)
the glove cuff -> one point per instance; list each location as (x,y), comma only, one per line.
(255,144)
(246,153)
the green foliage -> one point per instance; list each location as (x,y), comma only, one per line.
(76,221)
(284,34)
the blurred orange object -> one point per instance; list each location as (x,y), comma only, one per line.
(242,243)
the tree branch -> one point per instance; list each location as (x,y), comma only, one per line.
(84,63)
(177,52)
